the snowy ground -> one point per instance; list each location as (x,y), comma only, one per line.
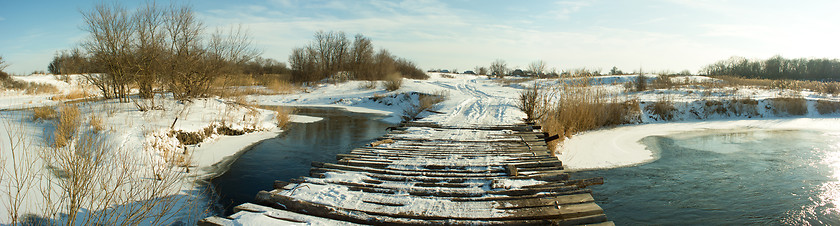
(143,136)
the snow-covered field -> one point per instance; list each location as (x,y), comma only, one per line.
(471,100)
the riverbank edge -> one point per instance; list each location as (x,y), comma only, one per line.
(622,147)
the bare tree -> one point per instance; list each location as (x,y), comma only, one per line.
(498,68)
(3,64)
(149,50)
(110,45)
(538,67)
(185,51)
(361,58)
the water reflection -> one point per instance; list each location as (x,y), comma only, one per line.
(290,154)
(729,177)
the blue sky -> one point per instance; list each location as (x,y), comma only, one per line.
(461,34)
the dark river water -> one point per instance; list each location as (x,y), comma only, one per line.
(289,155)
(731,177)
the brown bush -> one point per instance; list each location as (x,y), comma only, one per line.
(283,115)
(789,106)
(578,108)
(43,113)
(529,99)
(663,108)
(67,125)
(393,82)
(744,107)
(714,107)
(825,107)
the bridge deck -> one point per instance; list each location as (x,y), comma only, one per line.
(424,173)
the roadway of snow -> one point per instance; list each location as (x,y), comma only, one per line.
(472,100)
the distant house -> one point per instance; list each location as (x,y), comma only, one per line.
(469,72)
(444,71)
(518,72)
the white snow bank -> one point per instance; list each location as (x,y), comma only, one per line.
(621,146)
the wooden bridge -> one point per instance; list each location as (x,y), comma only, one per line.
(424,173)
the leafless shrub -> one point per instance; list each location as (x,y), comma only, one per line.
(640,84)
(393,82)
(714,107)
(498,68)
(21,170)
(537,67)
(789,106)
(118,187)
(663,81)
(529,99)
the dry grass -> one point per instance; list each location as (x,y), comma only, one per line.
(66,125)
(283,115)
(43,113)
(96,124)
(825,107)
(426,102)
(663,108)
(393,82)
(744,107)
(789,106)
(7,82)
(281,86)
(72,95)
(577,108)
(815,86)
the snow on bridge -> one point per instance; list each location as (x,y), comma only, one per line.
(426,173)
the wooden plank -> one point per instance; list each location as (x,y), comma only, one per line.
(535,213)
(426,173)
(540,202)
(545,176)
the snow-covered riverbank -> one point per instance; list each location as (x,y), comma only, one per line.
(621,146)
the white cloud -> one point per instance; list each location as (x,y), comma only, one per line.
(435,35)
